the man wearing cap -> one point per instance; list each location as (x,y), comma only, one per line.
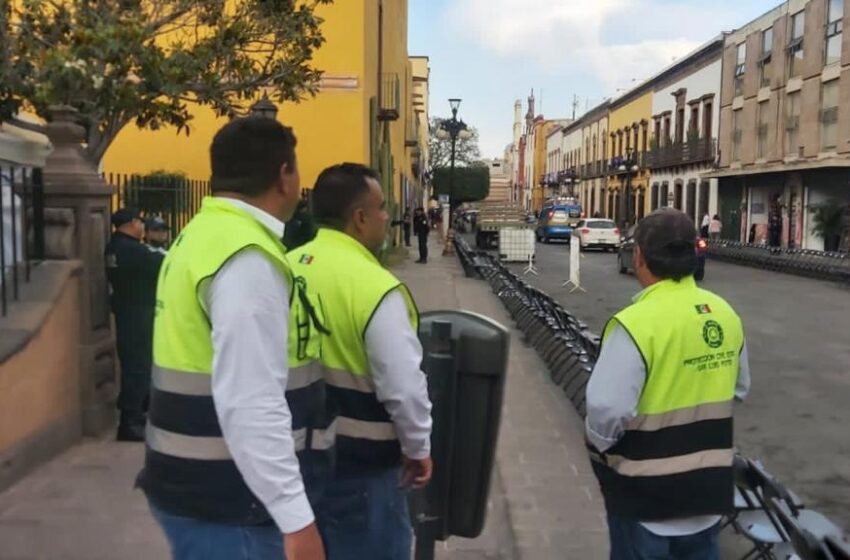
(659,403)
(132,269)
(156,234)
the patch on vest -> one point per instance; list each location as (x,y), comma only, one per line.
(703,309)
(306,259)
(712,333)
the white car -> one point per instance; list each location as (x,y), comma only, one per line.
(597,233)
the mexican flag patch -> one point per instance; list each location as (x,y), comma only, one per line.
(306,259)
(703,309)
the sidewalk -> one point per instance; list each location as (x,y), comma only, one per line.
(544,503)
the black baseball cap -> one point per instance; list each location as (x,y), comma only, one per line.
(666,233)
(156,224)
(124,216)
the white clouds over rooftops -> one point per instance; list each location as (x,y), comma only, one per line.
(615,41)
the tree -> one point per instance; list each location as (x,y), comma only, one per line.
(830,221)
(119,61)
(471,183)
(440,151)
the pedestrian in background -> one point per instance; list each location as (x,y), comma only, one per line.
(659,403)
(715,227)
(371,363)
(407,225)
(132,269)
(705,226)
(300,229)
(422,229)
(156,234)
(221,473)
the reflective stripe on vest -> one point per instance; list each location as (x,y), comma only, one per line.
(675,457)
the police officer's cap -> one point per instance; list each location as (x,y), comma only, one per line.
(124,216)
(156,224)
(666,232)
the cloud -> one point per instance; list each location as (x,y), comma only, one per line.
(617,42)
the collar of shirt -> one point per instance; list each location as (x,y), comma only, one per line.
(687,282)
(267,220)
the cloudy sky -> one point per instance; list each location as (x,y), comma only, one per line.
(492,52)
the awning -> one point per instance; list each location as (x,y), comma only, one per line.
(803,165)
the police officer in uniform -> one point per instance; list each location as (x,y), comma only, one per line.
(156,234)
(659,403)
(132,268)
(231,413)
(371,362)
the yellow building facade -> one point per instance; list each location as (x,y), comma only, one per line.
(361,114)
(628,142)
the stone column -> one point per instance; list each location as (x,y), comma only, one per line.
(77,226)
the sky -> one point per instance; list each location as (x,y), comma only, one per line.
(491,52)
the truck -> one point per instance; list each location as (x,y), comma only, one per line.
(493,217)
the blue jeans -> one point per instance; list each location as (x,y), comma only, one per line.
(366,518)
(632,541)
(192,539)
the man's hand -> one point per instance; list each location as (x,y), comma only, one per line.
(305,544)
(417,472)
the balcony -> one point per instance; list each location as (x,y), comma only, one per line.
(390,98)
(702,150)
(411,137)
(622,165)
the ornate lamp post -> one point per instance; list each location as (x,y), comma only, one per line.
(264,108)
(453,129)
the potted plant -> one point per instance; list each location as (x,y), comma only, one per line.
(829,221)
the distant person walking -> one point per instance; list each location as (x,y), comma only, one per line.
(705,226)
(407,226)
(715,227)
(421,228)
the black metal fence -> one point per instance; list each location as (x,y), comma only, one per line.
(176,200)
(766,513)
(802,262)
(21,228)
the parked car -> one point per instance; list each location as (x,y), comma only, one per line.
(557,221)
(625,255)
(597,233)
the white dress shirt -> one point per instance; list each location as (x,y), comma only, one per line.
(613,393)
(395,357)
(248,305)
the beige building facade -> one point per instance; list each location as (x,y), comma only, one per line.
(785,124)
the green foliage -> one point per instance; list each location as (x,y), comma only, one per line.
(829,218)
(145,61)
(470,184)
(440,150)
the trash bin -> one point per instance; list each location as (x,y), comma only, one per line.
(465,363)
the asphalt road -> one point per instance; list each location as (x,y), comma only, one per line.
(797,417)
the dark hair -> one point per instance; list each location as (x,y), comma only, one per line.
(667,240)
(247,153)
(338,189)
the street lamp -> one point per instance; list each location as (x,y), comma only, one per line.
(264,108)
(628,166)
(453,129)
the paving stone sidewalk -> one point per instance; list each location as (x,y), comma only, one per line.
(544,504)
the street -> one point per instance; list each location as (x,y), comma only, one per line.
(798,333)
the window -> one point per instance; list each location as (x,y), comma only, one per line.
(766,64)
(658,132)
(835,14)
(707,120)
(680,125)
(829,116)
(736,135)
(795,47)
(740,69)
(693,124)
(666,134)
(644,145)
(762,130)
(792,124)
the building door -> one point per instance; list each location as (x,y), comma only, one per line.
(730,194)
(653,201)
(641,204)
(704,193)
(677,195)
(793,209)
